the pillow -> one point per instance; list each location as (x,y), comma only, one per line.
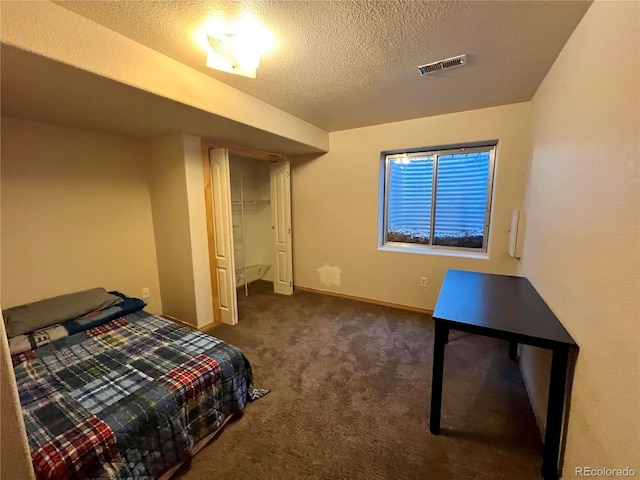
(33,316)
(31,341)
(22,343)
(94,319)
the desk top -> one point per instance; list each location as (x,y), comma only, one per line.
(500,304)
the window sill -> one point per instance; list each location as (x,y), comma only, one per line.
(435,251)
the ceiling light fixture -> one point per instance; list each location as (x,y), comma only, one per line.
(237,48)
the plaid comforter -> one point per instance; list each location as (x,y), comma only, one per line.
(128,399)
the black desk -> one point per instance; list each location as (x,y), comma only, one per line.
(508,308)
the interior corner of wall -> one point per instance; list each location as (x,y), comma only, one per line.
(191,141)
(199,245)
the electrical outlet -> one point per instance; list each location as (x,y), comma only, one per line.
(145,293)
(423,281)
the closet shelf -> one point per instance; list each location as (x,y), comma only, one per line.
(261,269)
(251,273)
(250,206)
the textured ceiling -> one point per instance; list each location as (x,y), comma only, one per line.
(343,65)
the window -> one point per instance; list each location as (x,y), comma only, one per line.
(438,198)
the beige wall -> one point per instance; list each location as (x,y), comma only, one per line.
(75,214)
(177,196)
(335,206)
(168,185)
(582,242)
(198,229)
(15,458)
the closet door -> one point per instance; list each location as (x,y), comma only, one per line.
(281,227)
(223,231)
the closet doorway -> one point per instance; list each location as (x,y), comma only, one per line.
(251,207)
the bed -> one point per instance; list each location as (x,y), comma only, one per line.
(130,397)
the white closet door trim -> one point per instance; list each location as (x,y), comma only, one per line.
(281,227)
(224,255)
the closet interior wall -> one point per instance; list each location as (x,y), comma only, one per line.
(251,218)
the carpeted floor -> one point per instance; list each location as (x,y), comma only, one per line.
(350,400)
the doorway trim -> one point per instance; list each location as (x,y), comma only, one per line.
(209,210)
(208,202)
(248,152)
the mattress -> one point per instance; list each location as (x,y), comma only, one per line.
(128,399)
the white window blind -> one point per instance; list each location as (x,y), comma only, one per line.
(410,195)
(439,198)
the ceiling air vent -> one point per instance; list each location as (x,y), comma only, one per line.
(443,64)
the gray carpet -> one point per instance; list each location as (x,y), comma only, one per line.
(350,400)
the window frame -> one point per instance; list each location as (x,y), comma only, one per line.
(490,146)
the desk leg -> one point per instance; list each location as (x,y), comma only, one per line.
(440,340)
(513,351)
(555,410)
